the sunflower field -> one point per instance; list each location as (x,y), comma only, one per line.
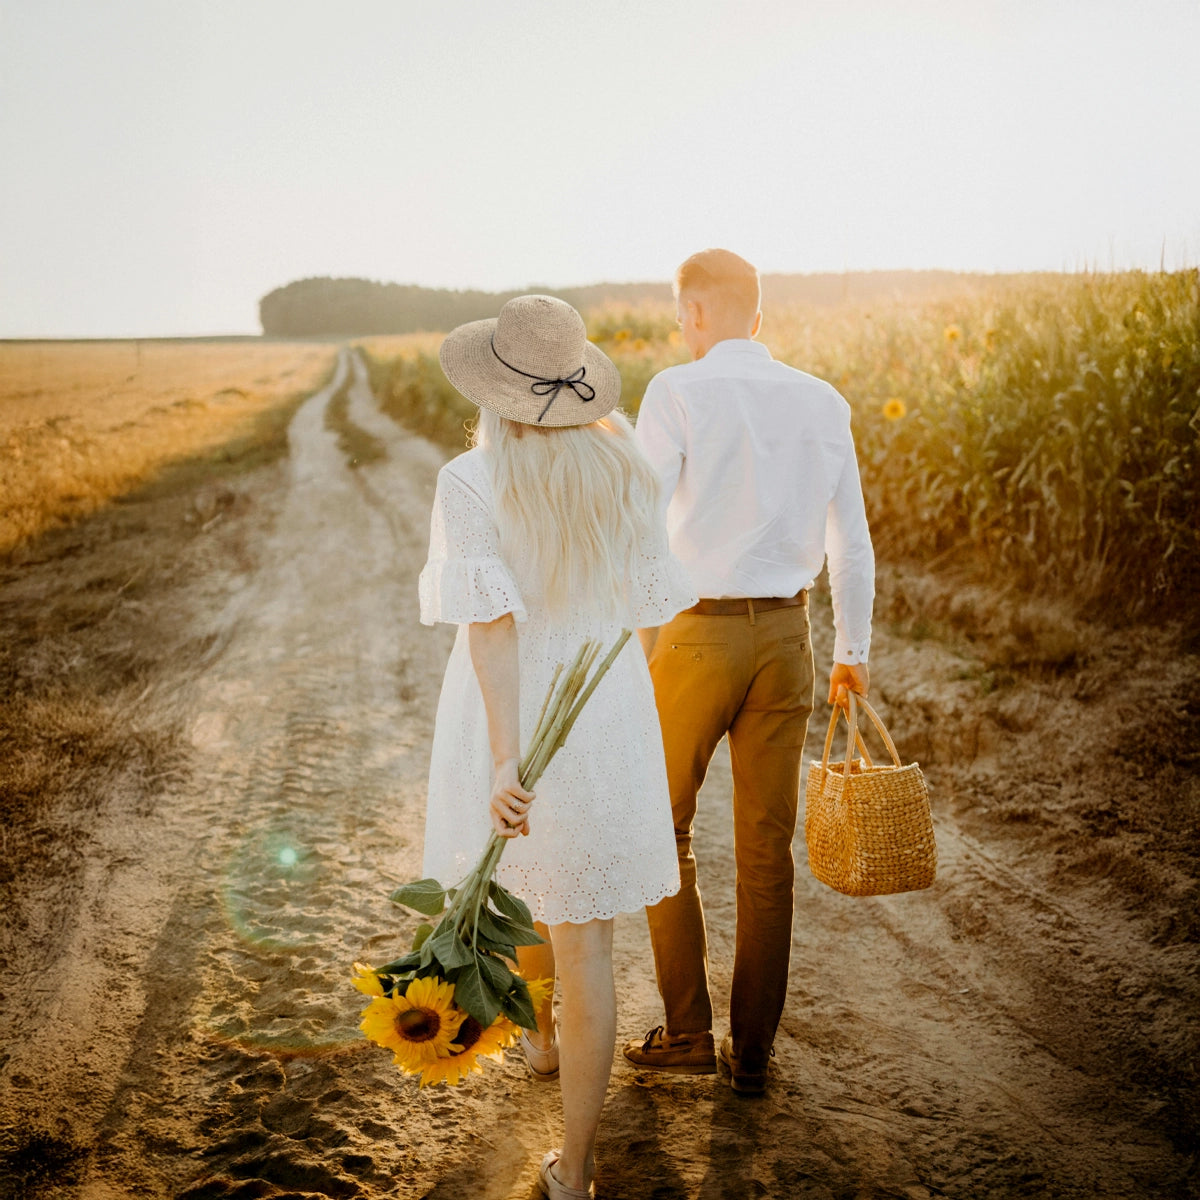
(1039,435)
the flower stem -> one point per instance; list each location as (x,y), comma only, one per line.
(565,698)
(601,671)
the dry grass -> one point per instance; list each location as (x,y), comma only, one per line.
(95,637)
(408,381)
(401,343)
(84,422)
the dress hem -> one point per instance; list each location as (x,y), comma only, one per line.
(607,915)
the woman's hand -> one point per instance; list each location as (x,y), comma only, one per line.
(510,801)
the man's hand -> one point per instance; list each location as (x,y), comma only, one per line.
(846,677)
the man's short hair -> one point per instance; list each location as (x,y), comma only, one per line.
(723,272)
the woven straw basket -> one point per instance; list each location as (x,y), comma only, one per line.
(868,827)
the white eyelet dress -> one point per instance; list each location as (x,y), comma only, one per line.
(601,835)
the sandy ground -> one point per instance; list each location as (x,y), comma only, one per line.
(179,1022)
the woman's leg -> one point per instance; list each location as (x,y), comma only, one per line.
(537,962)
(587,1036)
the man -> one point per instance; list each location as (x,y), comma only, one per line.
(761,484)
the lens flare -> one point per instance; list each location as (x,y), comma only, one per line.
(280,893)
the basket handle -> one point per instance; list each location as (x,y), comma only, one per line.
(854,736)
(883,733)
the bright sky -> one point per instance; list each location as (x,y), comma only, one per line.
(163,165)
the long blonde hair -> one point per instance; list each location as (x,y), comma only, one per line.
(578,503)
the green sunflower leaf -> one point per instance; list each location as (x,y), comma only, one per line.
(509,905)
(426,896)
(501,929)
(421,935)
(474,994)
(517,1005)
(487,945)
(399,966)
(499,977)
(449,949)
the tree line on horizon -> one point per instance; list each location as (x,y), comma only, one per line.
(350,307)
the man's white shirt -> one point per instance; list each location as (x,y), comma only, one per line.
(760,483)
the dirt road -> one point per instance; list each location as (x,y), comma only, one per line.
(193,1032)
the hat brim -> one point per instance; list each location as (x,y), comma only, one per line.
(472,367)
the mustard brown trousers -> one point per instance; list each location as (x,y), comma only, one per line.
(748,674)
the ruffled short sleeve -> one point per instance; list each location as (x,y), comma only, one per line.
(660,586)
(465,578)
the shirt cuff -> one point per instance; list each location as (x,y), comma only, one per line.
(852,654)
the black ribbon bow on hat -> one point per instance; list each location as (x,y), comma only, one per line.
(551,387)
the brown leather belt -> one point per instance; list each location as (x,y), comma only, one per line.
(748,607)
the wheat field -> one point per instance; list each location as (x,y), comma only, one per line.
(84,422)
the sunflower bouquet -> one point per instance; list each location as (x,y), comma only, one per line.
(453,1000)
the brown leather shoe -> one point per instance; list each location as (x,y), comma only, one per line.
(681,1054)
(747,1074)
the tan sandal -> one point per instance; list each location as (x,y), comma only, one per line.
(543,1064)
(553,1189)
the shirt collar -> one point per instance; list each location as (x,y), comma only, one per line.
(739,346)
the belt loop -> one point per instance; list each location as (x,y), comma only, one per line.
(750,609)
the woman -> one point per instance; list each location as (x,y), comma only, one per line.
(545,534)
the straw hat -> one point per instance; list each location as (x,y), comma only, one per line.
(532,364)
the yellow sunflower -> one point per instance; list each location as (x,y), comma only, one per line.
(952,333)
(366,980)
(894,409)
(540,990)
(474,1043)
(490,1042)
(418,1027)
(452,1070)
(501,1033)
